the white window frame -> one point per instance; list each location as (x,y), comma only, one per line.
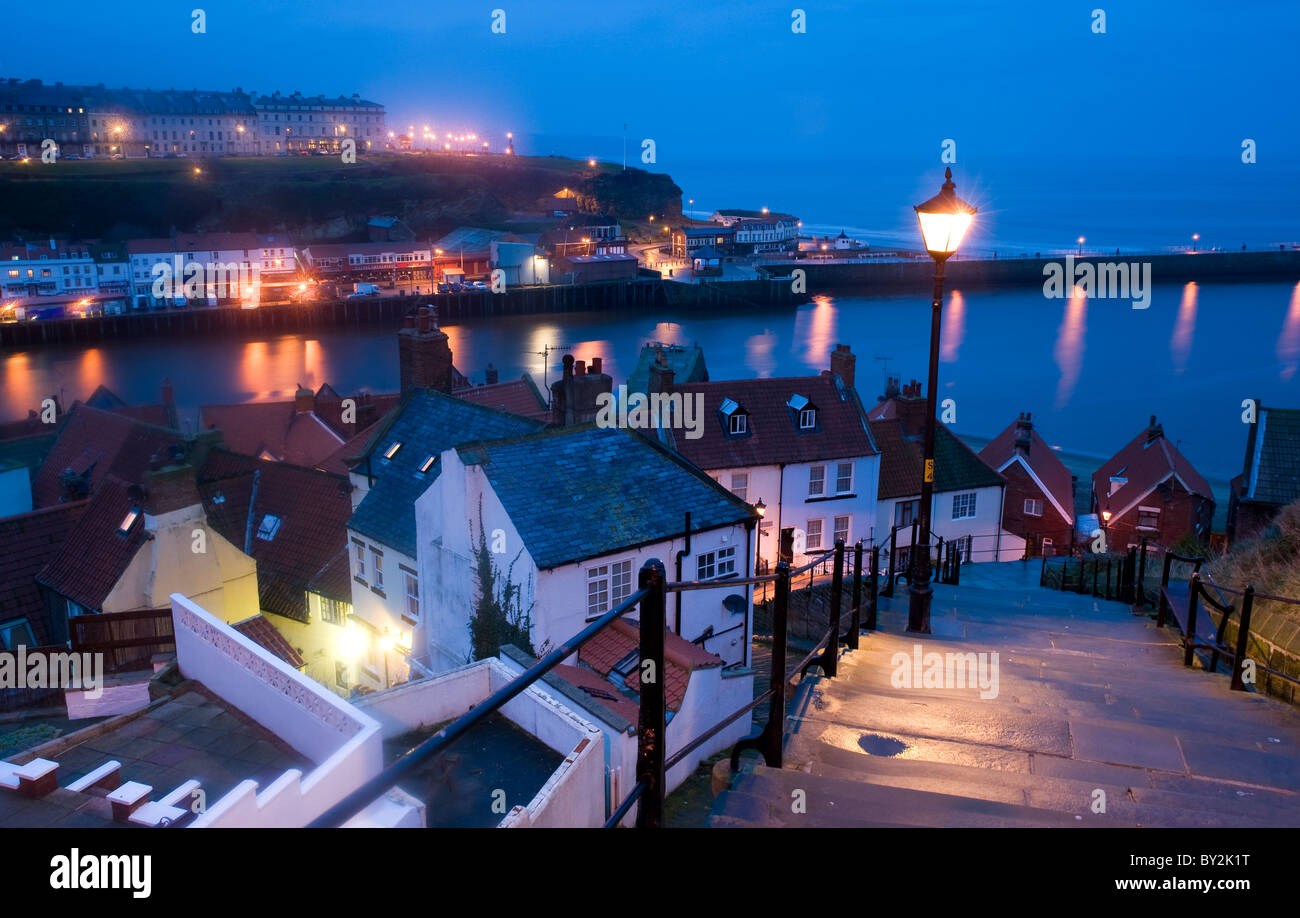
(412,584)
(838,533)
(377,565)
(807,418)
(716,564)
(740,485)
(737,424)
(818,480)
(966,499)
(608,585)
(839,477)
(808,543)
(359,557)
(1033,506)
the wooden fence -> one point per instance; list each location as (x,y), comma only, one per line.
(128,640)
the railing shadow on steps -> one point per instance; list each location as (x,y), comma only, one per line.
(652,766)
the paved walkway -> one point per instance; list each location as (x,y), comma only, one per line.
(1090,700)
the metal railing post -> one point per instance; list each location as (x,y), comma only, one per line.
(1243,633)
(855,626)
(875,587)
(1142,573)
(956,567)
(911,552)
(651,724)
(1042,573)
(1164,582)
(938,568)
(1190,636)
(831,656)
(888,591)
(771,739)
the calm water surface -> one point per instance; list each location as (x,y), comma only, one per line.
(1091,371)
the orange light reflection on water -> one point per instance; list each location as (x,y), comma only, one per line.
(1180,345)
(954,327)
(814,328)
(1288,343)
(1070,346)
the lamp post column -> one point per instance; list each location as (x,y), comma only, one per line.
(919,589)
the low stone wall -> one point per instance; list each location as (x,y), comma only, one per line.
(1274,641)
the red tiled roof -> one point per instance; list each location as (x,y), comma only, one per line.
(774,437)
(620,638)
(94,556)
(898,425)
(313,508)
(28,542)
(97,443)
(1145,464)
(259,630)
(520,396)
(600,691)
(334,580)
(1041,459)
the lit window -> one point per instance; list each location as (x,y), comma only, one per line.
(963,506)
(392,450)
(424,467)
(412,613)
(1033,507)
(128,521)
(813,537)
(361,563)
(377,562)
(817,481)
(332,611)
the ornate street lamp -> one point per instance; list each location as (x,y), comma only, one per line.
(944,220)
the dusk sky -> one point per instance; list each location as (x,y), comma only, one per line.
(1039,105)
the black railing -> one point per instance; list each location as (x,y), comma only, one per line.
(650,789)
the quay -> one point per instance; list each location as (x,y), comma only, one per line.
(643,294)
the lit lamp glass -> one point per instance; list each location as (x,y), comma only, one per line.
(944,220)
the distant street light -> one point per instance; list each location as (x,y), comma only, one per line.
(1081,241)
(944,220)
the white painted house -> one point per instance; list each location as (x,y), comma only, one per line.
(800,446)
(969,496)
(570,515)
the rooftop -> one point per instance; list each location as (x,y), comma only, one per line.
(1144,463)
(1272,473)
(28,542)
(1041,459)
(582,492)
(898,425)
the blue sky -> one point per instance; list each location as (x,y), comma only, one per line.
(1018,85)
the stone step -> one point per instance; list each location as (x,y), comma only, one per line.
(766,797)
(1130,797)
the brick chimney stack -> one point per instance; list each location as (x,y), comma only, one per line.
(490,376)
(423,353)
(1154,431)
(304,400)
(661,375)
(1024,433)
(844,364)
(573,396)
(171,488)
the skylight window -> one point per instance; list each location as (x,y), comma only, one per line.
(128,521)
(628,663)
(392,450)
(426,465)
(270,526)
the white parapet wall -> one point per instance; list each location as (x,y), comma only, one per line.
(345,744)
(574,795)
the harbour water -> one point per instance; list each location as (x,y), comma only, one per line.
(1090,371)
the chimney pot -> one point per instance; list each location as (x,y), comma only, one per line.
(579,368)
(596,364)
(568,365)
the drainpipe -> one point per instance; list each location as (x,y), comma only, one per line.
(749,590)
(997,542)
(686,550)
(248,526)
(780,506)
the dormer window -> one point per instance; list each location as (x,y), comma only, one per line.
(735,417)
(392,450)
(805,412)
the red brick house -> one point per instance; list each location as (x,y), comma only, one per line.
(1149,489)
(1040,489)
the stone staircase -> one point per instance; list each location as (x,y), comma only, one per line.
(1091,700)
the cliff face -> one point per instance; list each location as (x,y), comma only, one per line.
(313,197)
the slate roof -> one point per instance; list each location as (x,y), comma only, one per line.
(1272,474)
(517,396)
(582,492)
(428,423)
(1145,465)
(773,436)
(94,556)
(686,362)
(313,509)
(96,443)
(259,630)
(898,428)
(28,542)
(1042,459)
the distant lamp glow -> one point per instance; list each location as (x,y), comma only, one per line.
(351,643)
(591,162)
(944,220)
(198,171)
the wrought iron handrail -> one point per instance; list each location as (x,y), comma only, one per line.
(359,799)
